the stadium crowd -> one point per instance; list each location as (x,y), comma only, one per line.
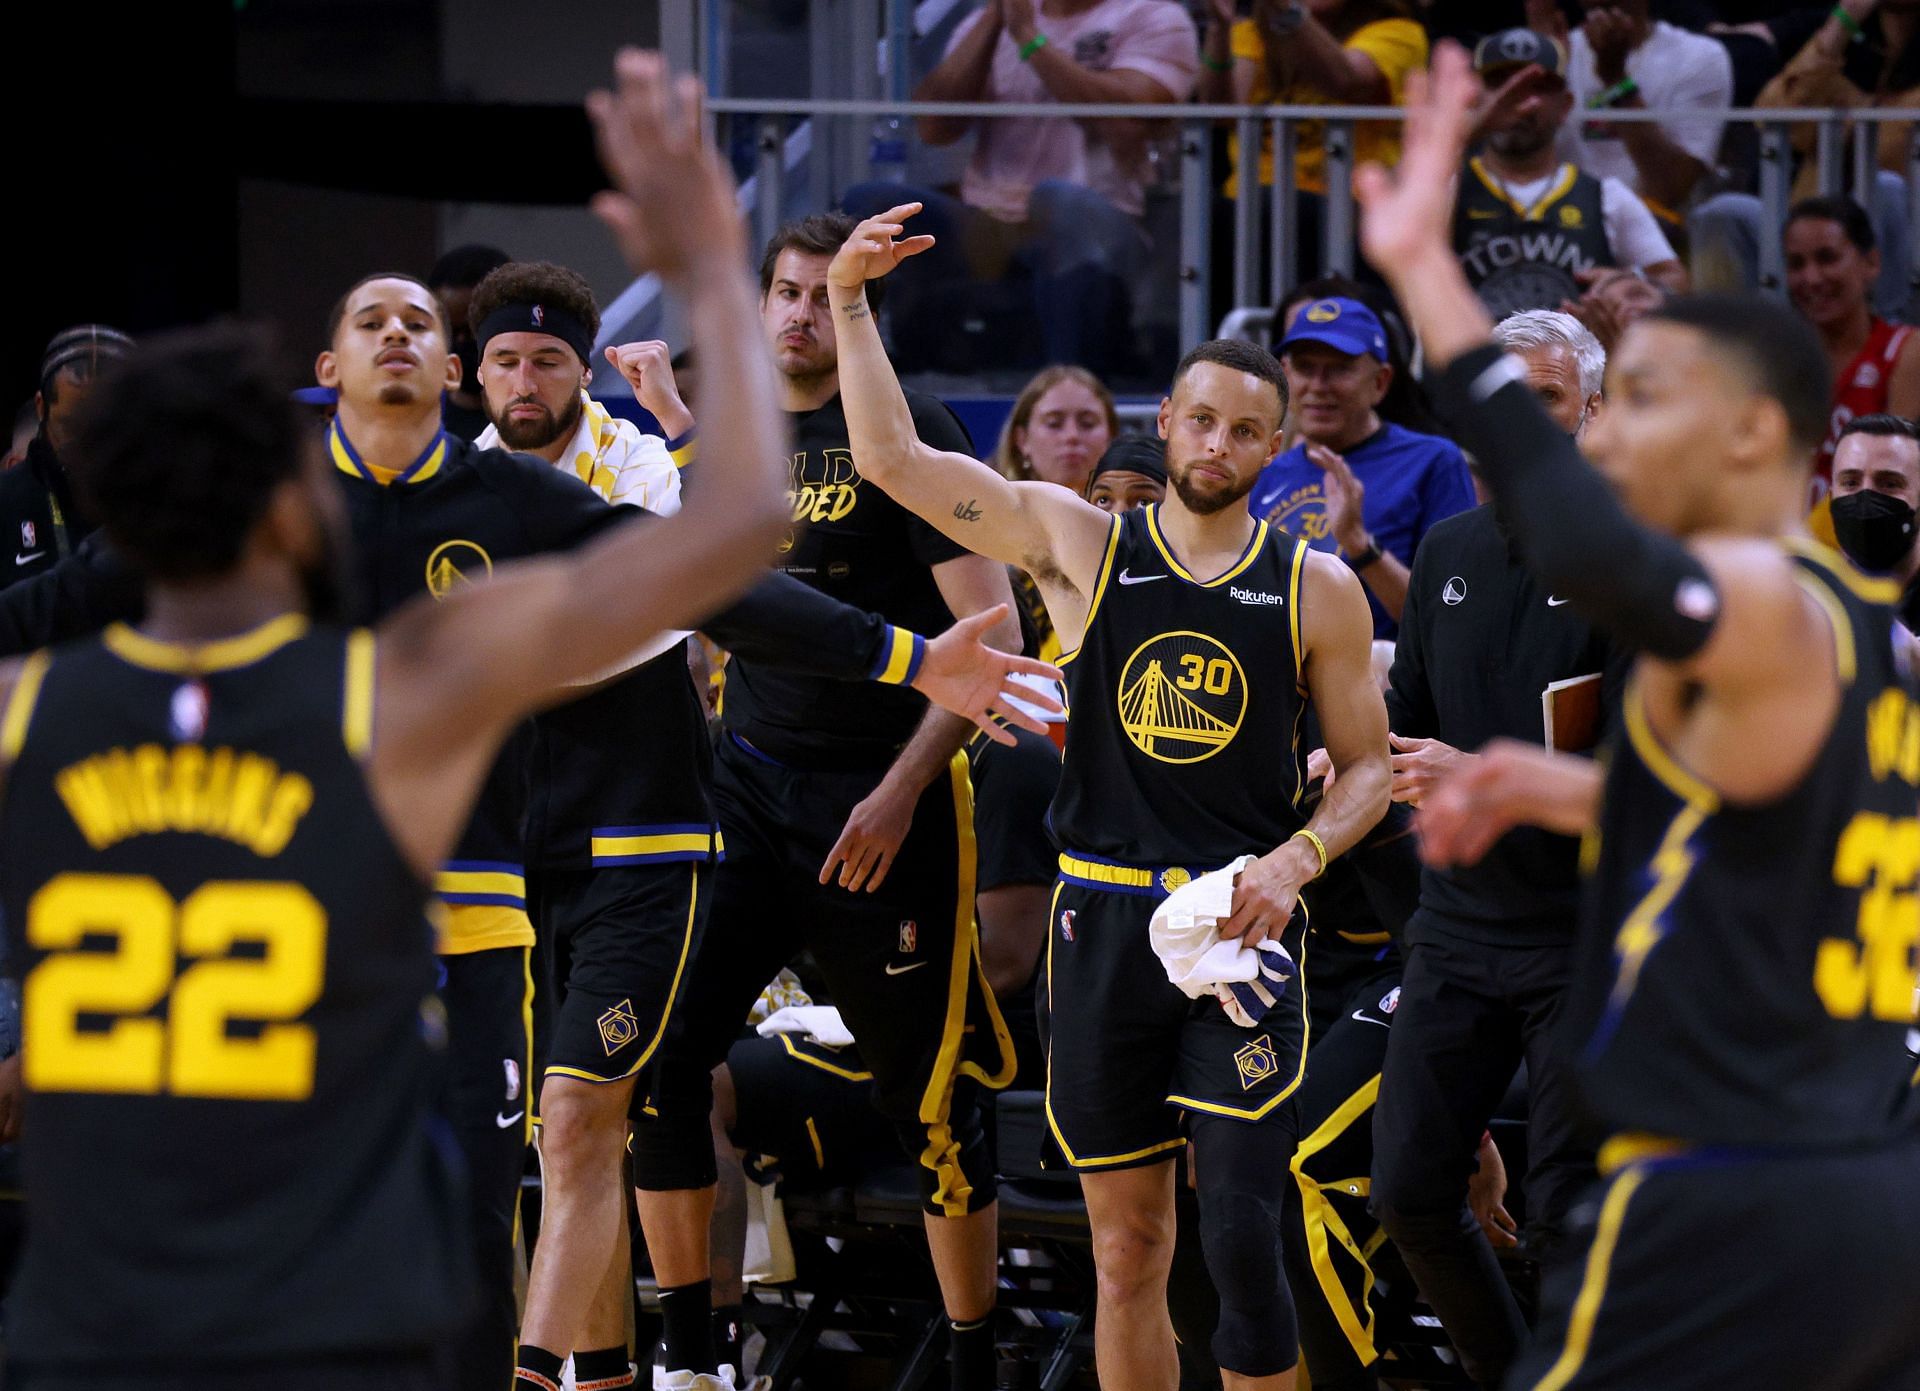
(806,930)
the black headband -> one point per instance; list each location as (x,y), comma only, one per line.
(549,319)
(1140,454)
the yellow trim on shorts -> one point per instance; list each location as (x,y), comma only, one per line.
(819,1153)
(1593,1286)
(1293,613)
(1320,1218)
(1100,580)
(786,1042)
(666,1010)
(1632,1147)
(942,1153)
(21,702)
(356,715)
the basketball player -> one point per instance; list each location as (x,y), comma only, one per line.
(221,827)
(1198,635)
(1744,975)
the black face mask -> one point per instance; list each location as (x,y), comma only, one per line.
(1875,530)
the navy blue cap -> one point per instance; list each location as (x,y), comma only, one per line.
(322,396)
(1345,325)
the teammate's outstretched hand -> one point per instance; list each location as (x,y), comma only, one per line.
(1408,213)
(1508,784)
(875,247)
(959,672)
(672,208)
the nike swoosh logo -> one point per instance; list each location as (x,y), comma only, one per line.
(902,970)
(504,1121)
(1369,1019)
(1125,578)
(1554,603)
(28,558)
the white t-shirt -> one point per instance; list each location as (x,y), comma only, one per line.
(1677,71)
(1010,156)
(1632,231)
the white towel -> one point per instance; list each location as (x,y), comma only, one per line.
(822,1022)
(1249,982)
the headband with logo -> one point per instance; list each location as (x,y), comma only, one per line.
(528,317)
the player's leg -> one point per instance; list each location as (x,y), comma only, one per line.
(1256,1342)
(1560,1146)
(903,963)
(1130,1213)
(489,1000)
(631,931)
(1330,1236)
(1451,1055)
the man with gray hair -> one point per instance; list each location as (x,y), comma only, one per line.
(1485,652)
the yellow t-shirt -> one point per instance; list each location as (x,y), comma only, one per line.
(1397,47)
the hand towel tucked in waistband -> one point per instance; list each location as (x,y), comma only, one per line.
(1249,982)
(821,1022)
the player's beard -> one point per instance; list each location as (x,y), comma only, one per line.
(1205,504)
(538,434)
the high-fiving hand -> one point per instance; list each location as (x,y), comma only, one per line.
(875,247)
(672,207)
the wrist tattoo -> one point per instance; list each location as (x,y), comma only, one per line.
(966,511)
(857,310)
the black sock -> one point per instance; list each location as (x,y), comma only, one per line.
(972,1354)
(605,1369)
(686,1318)
(729,1332)
(536,1369)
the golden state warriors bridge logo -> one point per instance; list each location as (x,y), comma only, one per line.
(454,563)
(1182,697)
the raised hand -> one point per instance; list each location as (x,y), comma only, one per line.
(1407,214)
(959,672)
(875,247)
(648,368)
(673,207)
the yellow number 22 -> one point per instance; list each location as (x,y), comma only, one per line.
(191,1052)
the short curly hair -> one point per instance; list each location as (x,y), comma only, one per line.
(179,451)
(534,282)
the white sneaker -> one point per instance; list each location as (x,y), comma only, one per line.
(721,1380)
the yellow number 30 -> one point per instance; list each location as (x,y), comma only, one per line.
(191,1052)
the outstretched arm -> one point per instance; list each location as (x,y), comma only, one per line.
(1045,530)
(453,676)
(1507,784)
(1718,613)
(1337,642)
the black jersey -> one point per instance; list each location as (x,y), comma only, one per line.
(1187,699)
(1747,972)
(1528,257)
(851,541)
(230,1036)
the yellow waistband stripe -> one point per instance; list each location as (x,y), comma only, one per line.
(1633,1147)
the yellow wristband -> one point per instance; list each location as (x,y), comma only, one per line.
(1319,847)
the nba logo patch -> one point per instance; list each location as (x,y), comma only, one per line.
(1066,923)
(513,1078)
(28,536)
(539,317)
(187,713)
(909,937)
(618,1027)
(1390,1001)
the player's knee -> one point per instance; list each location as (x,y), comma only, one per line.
(1132,1253)
(1240,1234)
(673,1150)
(582,1126)
(954,1160)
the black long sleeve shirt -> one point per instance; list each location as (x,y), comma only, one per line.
(1480,641)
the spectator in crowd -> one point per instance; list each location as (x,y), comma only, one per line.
(453,279)
(1864,53)
(1489,951)
(1313,53)
(1612,300)
(1055,199)
(1623,59)
(1062,421)
(1831,267)
(1876,487)
(1529,222)
(1132,473)
(39,517)
(1354,483)
(1405,403)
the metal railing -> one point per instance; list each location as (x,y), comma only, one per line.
(774,135)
